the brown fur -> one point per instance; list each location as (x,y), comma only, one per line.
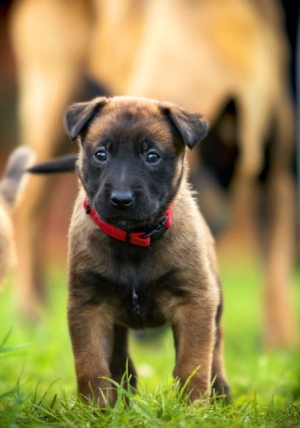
(174,281)
(198,53)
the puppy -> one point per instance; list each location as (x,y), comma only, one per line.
(140,253)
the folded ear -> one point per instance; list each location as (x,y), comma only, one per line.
(191,126)
(78,115)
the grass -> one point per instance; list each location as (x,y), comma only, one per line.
(37,383)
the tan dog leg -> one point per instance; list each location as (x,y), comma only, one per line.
(47,77)
(278,309)
(279,317)
(91,331)
(194,337)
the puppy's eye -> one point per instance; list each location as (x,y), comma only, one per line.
(101,155)
(152,157)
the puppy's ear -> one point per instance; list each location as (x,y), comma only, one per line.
(191,126)
(78,115)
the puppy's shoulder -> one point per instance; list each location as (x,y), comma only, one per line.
(187,214)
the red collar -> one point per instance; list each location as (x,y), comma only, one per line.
(141,239)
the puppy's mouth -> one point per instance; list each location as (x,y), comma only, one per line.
(128,221)
(131,222)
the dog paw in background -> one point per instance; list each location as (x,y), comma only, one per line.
(11,186)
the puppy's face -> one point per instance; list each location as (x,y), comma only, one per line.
(131,155)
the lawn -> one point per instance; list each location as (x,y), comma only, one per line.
(37,383)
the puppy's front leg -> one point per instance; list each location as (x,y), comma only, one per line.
(91,331)
(194,336)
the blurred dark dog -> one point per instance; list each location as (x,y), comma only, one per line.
(140,253)
(226,58)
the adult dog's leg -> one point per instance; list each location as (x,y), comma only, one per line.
(279,313)
(279,328)
(49,56)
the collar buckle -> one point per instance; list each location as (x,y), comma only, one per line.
(157,231)
(87,208)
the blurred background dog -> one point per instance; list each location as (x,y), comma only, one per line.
(11,186)
(228,59)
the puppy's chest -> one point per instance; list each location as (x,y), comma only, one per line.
(139,306)
(134,301)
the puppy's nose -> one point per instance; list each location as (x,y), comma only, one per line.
(121,199)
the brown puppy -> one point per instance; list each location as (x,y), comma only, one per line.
(132,171)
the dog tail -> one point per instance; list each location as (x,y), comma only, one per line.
(65,163)
(13,180)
